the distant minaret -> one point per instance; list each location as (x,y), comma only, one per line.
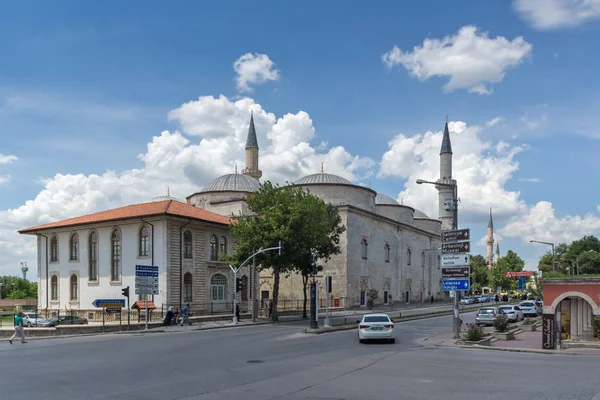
(497,250)
(24,270)
(445,193)
(252,152)
(490,242)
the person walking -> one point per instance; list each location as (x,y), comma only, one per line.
(18,327)
(185,315)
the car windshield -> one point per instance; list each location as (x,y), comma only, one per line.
(528,304)
(378,318)
(486,311)
(506,308)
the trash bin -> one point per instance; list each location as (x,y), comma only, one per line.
(336,302)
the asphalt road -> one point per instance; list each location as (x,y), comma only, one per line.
(280,362)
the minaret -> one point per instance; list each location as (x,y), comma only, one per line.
(497,250)
(252,152)
(490,242)
(446,193)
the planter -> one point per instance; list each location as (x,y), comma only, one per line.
(510,335)
(483,342)
(528,328)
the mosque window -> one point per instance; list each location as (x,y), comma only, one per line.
(387,252)
(187,244)
(364,247)
(408,257)
(213,248)
(54,249)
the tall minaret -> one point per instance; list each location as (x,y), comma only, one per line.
(497,250)
(446,193)
(252,152)
(490,242)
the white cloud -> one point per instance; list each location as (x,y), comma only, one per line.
(555,14)
(481,169)
(7,159)
(471,59)
(4,179)
(494,121)
(254,70)
(171,159)
(541,223)
(533,180)
(497,239)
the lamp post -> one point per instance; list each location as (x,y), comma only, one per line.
(549,244)
(454,206)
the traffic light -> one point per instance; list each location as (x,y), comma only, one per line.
(281,247)
(329,282)
(125,292)
(238,285)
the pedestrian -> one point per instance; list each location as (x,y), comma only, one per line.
(237,311)
(270,309)
(169,316)
(18,327)
(185,315)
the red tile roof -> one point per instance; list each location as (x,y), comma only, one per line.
(167,208)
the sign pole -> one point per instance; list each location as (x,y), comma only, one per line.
(327,291)
(235,321)
(146,328)
(128,315)
(103,310)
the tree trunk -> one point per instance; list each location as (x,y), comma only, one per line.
(274,314)
(304,283)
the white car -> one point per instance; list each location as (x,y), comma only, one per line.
(376,327)
(32,319)
(513,313)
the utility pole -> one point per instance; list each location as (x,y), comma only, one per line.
(314,324)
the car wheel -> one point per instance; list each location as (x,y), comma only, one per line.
(392,341)
(29,324)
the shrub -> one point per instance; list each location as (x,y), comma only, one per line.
(527,322)
(474,333)
(372,295)
(501,324)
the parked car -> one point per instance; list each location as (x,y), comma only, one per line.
(467,300)
(32,319)
(376,326)
(64,320)
(530,309)
(487,315)
(514,313)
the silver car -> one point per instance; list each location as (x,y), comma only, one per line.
(377,327)
(530,309)
(487,315)
(32,319)
(514,313)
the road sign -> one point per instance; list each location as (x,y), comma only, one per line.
(147,292)
(104,303)
(455,284)
(145,273)
(520,274)
(146,280)
(456,272)
(455,260)
(113,310)
(456,247)
(148,268)
(456,236)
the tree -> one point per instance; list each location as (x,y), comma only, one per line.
(578,249)
(301,220)
(479,272)
(511,262)
(561,264)
(589,262)
(14,287)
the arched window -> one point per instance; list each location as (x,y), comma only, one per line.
(187,287)
(144,244)
(387,253)
(408,257)
(93,257)
(422,259)
(54,287)
(213,248)
(115,270)
(187,244)
(73,286)
(218,285)
(223,246)
(54,249)
(364,247)
(74,247)
(244,288)
(438,262)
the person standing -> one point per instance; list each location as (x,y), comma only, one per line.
(18,327)
(185,315)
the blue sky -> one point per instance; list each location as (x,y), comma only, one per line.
(85,86)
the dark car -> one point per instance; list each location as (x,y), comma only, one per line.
(64,320)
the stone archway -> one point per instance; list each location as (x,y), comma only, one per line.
(577,314)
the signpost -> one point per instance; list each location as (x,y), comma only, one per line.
(146,283)
(109,304)
(520,274)
(456,270)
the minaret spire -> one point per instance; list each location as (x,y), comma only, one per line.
(446,192)
(322,169)
(252,151)
(446,145)
(490,241)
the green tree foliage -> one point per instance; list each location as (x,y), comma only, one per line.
(511,262)
(14,287)
(561,263)
(582,252)
(589,262)
(479,272)
(301,220)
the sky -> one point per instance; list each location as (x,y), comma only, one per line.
(104,104)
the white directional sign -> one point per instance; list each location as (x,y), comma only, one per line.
(146,280)
(455,260)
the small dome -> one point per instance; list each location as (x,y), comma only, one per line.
(384,199)
(232,183)
(322,178)
(165,198)
(420,214)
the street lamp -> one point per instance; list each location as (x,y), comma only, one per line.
(454,198)
(549,244)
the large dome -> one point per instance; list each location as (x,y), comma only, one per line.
(232,183)
(420,214)
(322,178)
(385,200)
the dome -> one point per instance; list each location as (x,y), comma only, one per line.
(322,178)
(385,200)
(420,214)
(165,198)
(232,183)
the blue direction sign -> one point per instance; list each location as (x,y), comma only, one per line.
(104,303)
(149,268)
(456,284)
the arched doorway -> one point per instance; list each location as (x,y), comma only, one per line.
(577,312)
(218,290)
